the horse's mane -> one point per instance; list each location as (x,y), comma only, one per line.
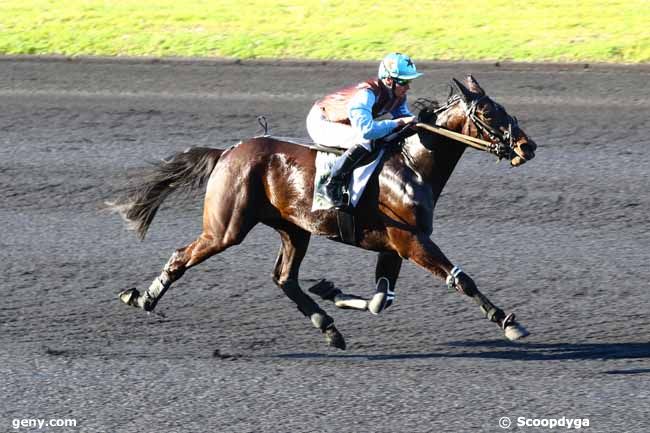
(426,109)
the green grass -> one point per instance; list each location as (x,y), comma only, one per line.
(573,31)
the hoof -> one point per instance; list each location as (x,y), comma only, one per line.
(130,297)
(334,337)
(133,298)
(377,303)
(350,302)
(516,332)
(383,298)
(512,329)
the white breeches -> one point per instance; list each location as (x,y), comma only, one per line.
(333,134)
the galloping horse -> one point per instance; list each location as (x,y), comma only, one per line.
(270,181)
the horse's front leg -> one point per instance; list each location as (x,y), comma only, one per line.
(386,273)
(421,250)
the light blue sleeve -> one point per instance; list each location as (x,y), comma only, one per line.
(402,110)
(360,114)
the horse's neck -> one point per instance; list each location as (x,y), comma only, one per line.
(438,163)
(434,166)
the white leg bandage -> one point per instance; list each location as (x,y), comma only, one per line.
(451,278)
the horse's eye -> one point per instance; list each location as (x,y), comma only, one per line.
(488,114)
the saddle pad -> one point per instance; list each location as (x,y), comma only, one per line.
(358,180)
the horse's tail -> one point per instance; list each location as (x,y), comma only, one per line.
(186,170)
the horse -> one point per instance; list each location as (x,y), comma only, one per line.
(270,181)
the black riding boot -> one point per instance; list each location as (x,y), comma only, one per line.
(342,167)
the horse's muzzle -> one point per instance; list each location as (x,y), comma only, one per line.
(524,151)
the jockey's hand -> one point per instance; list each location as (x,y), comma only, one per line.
(403,121)
(404,128)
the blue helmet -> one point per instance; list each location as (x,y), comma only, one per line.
(398,65)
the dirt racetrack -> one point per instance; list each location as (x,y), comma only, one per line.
(563,241)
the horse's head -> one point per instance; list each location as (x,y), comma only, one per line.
(483,118)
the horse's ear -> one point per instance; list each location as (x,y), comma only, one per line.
(464,91)
(451,92)
(474,86)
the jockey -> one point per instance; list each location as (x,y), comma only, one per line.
(346,118)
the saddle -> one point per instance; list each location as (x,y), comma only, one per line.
(355,185)
(325,158)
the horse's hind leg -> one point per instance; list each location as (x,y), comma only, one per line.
(212,241)
(181,260)
(227,219)
(285,274)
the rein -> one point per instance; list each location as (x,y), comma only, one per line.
(476,143)
(503,144)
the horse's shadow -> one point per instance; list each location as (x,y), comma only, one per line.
(504,350)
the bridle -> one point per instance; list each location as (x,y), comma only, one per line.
(501,144)
(504,142)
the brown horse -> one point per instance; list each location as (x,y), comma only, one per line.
(270,181)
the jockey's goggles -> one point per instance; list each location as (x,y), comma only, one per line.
(402,82)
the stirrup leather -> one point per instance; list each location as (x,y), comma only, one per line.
(334,192)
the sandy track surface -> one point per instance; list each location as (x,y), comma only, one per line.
(563,241)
